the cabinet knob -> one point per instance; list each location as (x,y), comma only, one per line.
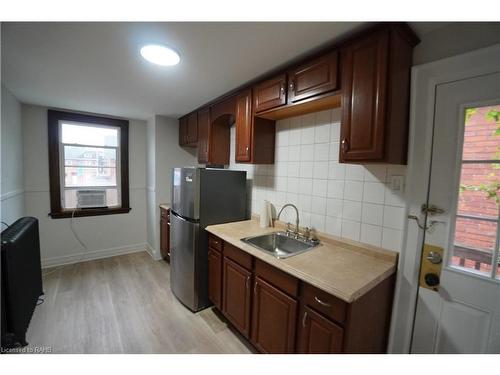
(292,85)
(282,88)
(345,145)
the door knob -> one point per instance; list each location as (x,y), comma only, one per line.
(431,279)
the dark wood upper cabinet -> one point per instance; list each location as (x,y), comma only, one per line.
(270,94)
(183,131)
(215,277)
(192,136)
(255,136)
(274,319)
(313,78)
(364,100)
(375,97)
(368,76)
(244,126)
(203,135)
(318,335)
(236,295)
(188,130)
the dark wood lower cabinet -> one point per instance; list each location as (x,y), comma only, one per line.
(215,277)
(236,295)
(165,234)
(280,314)
(318,335)
(274,317)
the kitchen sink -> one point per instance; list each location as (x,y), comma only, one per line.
(280,245)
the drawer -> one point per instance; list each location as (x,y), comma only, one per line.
(214,242)
(324,303)
(238,256)
(277,278)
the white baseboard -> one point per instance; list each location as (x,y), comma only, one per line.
(94,254)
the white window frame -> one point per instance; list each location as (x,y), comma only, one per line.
(62,164)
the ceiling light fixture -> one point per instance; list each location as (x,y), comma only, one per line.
(160,55)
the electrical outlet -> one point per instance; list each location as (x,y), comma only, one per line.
(397,183)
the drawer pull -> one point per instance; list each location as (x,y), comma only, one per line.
(304,319)
(322,302)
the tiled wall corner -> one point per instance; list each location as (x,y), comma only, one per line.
(345,200)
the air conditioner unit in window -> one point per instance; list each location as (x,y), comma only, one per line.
(91,198)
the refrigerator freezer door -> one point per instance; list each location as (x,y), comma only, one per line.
(183,250)
(185,192)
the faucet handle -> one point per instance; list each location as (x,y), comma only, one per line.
(288,228)
(307,232)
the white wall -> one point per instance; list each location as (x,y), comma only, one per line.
(454,39)
(12,187)
(345,200)
(102,235)
(164,154)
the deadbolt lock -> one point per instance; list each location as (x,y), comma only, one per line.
(434,257)
(430,267)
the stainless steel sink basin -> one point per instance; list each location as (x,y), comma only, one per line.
(279,244)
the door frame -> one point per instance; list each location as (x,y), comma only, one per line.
(424,81)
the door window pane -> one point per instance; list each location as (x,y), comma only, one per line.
(89,135)
(476,225)
(478,189)
(480,134)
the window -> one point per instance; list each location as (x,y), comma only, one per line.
(477,234)
(88,165)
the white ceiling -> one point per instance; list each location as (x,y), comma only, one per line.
(96,67)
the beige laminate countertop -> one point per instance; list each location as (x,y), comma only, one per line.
(345,269)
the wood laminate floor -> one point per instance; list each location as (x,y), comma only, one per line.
(124,305)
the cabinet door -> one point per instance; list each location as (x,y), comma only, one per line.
(183,130)
(364,92)
(236,295)
(165,235)
(244,126)
(318,335)
(214,277)
(192,133)
(203,135)
(270,94)
(313,78)
(273,319)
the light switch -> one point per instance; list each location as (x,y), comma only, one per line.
(397,183)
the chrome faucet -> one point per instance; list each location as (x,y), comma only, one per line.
(296,211)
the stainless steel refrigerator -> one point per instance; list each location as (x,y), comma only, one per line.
(200,197)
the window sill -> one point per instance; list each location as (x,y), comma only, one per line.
(89,212)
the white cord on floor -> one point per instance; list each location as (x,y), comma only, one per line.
(79,241)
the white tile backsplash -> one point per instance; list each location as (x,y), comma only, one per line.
(345,200)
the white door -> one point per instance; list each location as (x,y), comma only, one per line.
(463,315)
